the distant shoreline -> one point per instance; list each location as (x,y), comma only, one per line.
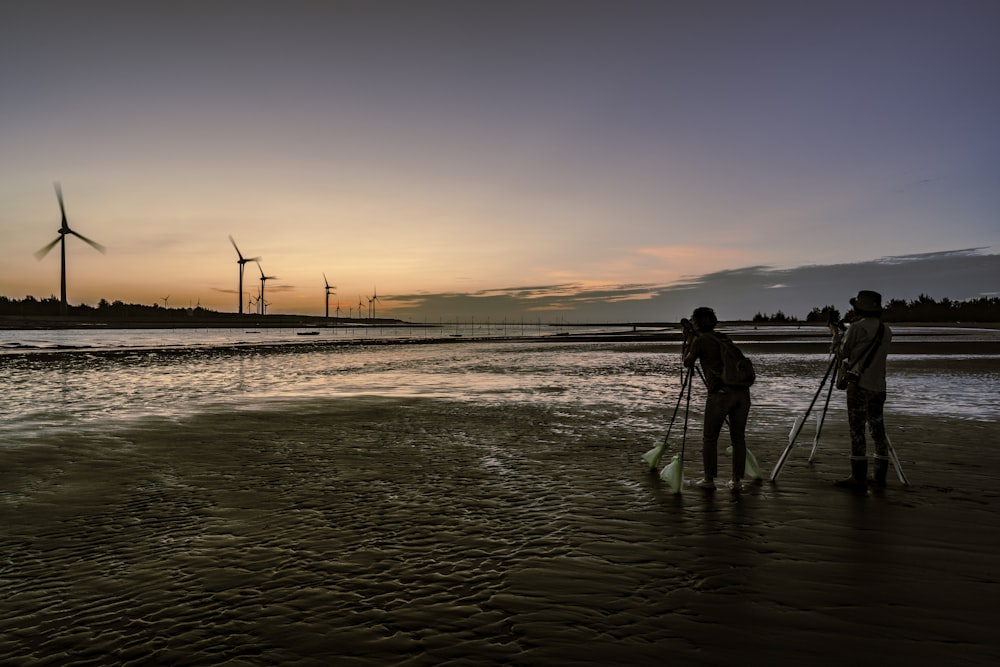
(234,321)
(8,322)
(753,339)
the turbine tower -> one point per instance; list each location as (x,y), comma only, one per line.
(328,288)
(242,262)
(64,229)
(263,279)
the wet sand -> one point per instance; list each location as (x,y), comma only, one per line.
(384,531)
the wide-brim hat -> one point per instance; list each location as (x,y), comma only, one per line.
(867,301)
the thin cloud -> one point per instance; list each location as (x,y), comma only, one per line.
(737,293)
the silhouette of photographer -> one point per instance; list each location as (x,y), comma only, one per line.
(864,351)
(723,401)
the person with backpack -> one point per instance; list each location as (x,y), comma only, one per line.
(728,376)
(864,351)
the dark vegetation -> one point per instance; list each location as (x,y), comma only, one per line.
(921,309)
(30,312)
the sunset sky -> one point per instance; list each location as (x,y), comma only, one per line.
(578,160)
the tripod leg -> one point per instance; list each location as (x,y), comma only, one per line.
(673,474)
(895,462)
(653,456)
(687,412)
(826,407)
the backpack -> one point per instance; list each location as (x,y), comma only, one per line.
(737,370)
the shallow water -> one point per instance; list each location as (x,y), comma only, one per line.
(635,384)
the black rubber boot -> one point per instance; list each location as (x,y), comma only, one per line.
(858,479)
(881,471)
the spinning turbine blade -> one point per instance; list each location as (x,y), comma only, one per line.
(242,259)
(39,254)
(231,240)
(62,207)
(94,244)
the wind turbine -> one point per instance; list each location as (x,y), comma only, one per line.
(328,288)
(64,229)
(242,262)
(360,303)
(374,299)
(263,279)
(165,300)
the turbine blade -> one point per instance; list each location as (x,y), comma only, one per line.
(94,244)
(45,251)
(237,249)
(62,207)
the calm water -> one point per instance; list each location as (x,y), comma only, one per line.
(633,385)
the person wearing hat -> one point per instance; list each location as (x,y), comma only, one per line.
(864,351)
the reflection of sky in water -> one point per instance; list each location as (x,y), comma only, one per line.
(632,386)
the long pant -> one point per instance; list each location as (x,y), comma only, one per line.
(735,404)
(864,408)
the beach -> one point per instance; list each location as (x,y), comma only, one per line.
(368,530)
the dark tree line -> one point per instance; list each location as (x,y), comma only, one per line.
(921,309)
(926,309)
(45,312)
(29,306)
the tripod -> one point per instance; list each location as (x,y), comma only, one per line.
(831,374)
(673,473)
(652,457)
(832,369)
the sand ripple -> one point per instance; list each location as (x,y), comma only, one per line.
(427,532)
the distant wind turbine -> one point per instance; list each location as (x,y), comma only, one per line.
(263,279)
(328,288)
(374,300)
(360,303)
(64,229)
(242,262)
(165,300)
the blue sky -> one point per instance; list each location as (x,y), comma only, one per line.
(577,160)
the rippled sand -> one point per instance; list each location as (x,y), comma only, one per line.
(429,532)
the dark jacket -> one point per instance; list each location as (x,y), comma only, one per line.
(706,348)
